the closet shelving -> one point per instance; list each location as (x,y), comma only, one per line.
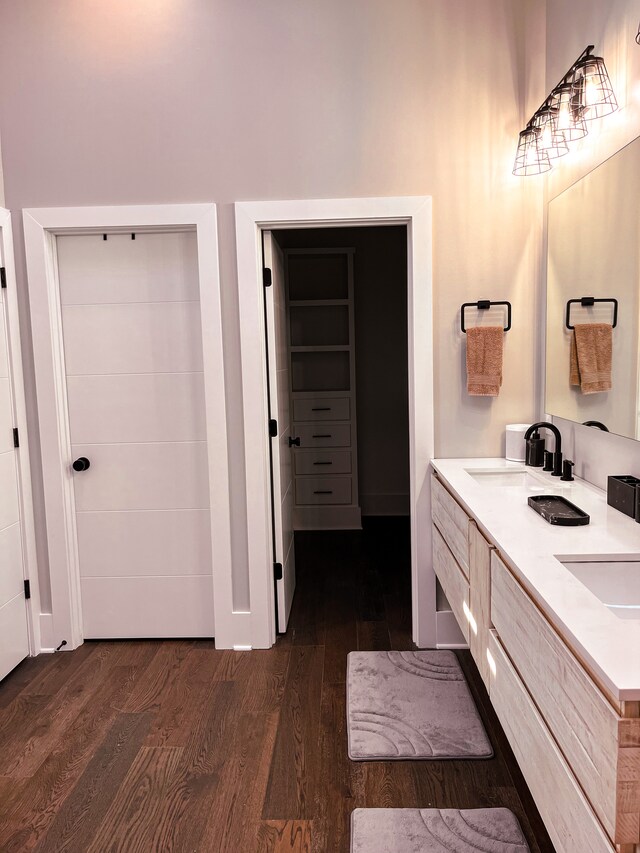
(323,387)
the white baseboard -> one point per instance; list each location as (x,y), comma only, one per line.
(384,504)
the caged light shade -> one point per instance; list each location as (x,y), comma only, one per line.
(569,112)
(530,158)
(593,88)
(551,138)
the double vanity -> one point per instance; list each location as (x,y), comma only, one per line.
(552,618)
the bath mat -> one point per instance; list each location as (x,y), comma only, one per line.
(436,831)
(411,705)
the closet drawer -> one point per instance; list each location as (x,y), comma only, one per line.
(322,462)
(323,490)
(323,435)
(579,717)
(322,409)
(452,521)
(452,580)
(567,815)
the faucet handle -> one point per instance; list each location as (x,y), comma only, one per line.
(567,470)
(548,460)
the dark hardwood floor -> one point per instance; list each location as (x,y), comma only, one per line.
(154,746)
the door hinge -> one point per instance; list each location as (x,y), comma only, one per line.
(273,428)
(277,571)
(3,277)
(16,438)
(27,589)
(267,277)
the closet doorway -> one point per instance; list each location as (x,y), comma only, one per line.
(413,214)
(336,326)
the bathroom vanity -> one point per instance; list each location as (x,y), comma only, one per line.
(552,618)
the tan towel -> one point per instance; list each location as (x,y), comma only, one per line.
(484,360)
(590,357)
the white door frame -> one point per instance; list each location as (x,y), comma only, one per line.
(41,225)
(251,219)
(29,558)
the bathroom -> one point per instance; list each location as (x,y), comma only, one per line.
(165,103)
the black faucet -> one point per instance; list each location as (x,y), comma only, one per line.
(596,424)
(557,452)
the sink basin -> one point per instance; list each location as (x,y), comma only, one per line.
(615,582)
(507,477)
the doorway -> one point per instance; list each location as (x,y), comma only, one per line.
(338,370)
(252,218)
(126,323)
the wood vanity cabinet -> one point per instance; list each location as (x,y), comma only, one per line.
(578,748)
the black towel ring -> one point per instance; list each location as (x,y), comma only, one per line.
(589,302)
(482,305)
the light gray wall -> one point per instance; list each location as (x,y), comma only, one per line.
(159,101)
(382,401)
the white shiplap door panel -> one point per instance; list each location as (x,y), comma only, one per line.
(143,407)
(6,417)
(14,634)
(147,607)
(162,542)
(136,403)
(11,580)
(151,268)
(16,520)
(9,505)
(281,464)
(160,337)
(142,476)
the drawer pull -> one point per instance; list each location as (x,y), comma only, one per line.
(328,435)
(323,463)
(323,492)
(321,409)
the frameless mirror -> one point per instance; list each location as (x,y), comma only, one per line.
(593,251)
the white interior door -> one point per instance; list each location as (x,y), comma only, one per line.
(14,637)
(281,467)
(135,395)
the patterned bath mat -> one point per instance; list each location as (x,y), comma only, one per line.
(403,705)
(436,831)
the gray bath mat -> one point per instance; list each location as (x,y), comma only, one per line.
(411,705)
(436,831)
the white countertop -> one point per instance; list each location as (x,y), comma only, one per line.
(608,645)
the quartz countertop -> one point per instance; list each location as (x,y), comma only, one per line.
(607,645)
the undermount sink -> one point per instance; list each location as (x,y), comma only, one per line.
(616,582)
(506,477)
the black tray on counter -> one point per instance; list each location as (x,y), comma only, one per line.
(558,510)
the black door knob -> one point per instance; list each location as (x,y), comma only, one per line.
(81,464)
(294,442)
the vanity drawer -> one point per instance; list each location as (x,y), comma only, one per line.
(322,409)
(581,720)
(452,580)
(323,490)
(323,435)
(322,462)
(452,521)
(567,815)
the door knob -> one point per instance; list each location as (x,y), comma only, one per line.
(81,464)
(294,442)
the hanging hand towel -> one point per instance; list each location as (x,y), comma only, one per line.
(590,358)
(484,360)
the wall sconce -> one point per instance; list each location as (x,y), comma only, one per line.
(584,93)
(638,35)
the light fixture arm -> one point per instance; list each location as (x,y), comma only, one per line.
(563,80)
